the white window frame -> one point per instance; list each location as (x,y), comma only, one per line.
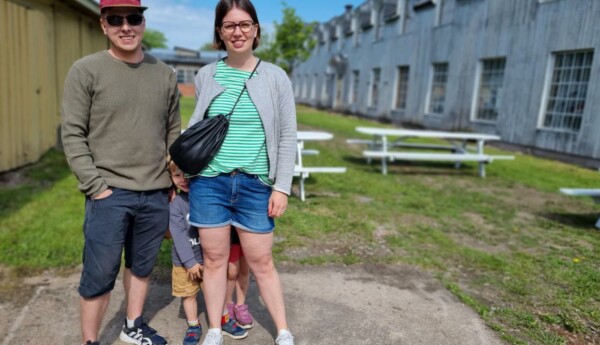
(340,36)
(378,22)
(550,69)
(180,76)
(325,96)
(354,87)
(431,85)
(397,86)
(439,7)
(402,11)
(477,90)
(375,88)
(313,89)
(338,90)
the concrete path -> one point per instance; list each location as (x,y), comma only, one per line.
(326,305)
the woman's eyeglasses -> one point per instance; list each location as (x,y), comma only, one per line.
(245,26)
(132,19)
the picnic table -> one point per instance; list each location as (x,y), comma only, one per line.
(302,171)
(593,193)
(380,146)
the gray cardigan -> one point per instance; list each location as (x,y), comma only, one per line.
(271,92)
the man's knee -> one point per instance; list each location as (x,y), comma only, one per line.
(96,284)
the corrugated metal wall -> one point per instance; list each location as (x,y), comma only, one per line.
(38,43)
(527,33)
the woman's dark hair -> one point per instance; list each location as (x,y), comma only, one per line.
(223,7)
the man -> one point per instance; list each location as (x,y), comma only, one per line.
(120,113)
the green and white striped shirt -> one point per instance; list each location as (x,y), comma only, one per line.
(245,146)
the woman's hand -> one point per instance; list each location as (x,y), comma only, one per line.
(277,204)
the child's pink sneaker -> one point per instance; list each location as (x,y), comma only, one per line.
(230,309)
(243,316)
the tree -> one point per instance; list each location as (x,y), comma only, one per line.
(293,40)
(266,49)
(154,39)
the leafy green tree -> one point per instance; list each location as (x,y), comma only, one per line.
(293,42)
(154,39)
(266,49)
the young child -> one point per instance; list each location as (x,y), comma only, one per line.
(230,324)
(238,280)
(186,256)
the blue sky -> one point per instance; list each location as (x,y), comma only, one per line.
(188,23)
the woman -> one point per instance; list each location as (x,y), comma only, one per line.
(247,183)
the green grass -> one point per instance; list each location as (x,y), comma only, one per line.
(186,107)
(510,246)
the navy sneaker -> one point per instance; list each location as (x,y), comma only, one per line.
(141,334)
(192,335)
(89,342)
(233,330)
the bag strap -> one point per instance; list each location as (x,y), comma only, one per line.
(243,89)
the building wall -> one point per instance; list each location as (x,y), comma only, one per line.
(39,40)
(525,33)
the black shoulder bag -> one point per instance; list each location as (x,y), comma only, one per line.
(193,150)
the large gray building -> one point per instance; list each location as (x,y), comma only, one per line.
(526,70)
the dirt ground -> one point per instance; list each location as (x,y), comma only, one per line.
(389,304)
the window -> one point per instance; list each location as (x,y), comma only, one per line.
(313,90)
(437,94)
(339,84)
(325,87)
(330,32)
(379,21)
(438,13)
(357,30)
(567,90)
(186,75)
(403,13)
(419,4)
(340,33)
(375,87)
(489,91)
(305,86)
(355,84)
(296,85)
(180,76)
(401,87)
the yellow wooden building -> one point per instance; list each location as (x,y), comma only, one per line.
(39,41)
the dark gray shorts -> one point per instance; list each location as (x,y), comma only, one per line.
(135,221)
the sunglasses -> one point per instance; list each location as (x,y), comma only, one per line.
(132,19)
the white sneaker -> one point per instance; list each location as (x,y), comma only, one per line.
(284,338)
(213,337)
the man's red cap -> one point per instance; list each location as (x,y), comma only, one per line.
(121,3)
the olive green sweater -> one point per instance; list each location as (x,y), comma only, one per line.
(118,120)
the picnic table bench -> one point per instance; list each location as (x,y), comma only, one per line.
(593,193)
(379,146)
(303,172)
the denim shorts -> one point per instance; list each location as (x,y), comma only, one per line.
(134,221)
(237,199)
